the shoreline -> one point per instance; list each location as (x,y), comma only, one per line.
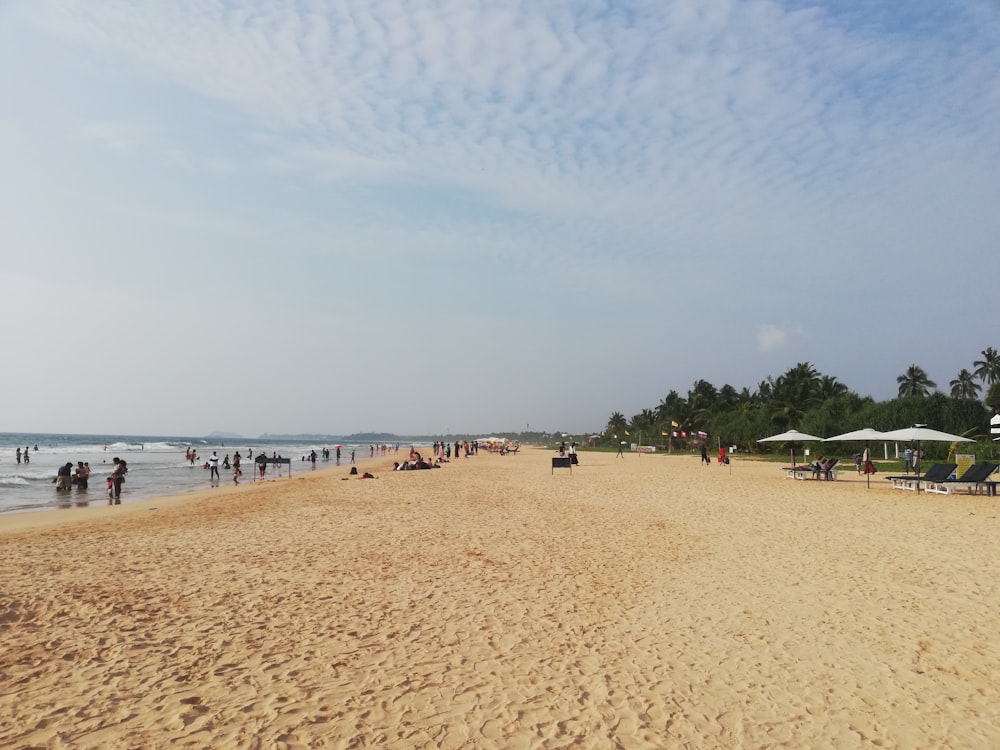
(13,522)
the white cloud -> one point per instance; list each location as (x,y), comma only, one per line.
(771,337)
(638,160)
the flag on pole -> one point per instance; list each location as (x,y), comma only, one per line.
(674,424)
(626,432)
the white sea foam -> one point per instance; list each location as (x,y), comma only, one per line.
(12,480)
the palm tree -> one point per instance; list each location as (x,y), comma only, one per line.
(992,399)
(830,387)
(644,421)
(617,423)
(988,368)
(795,393)
(914,382)
(729,398)
(965,386)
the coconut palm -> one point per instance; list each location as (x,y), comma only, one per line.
(617,423)
(965,386)
(914,382)
(830,387)
(644,420)
(988,368)
(672,408)
(992,399)
(795,393)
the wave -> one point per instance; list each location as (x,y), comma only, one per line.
(12,481)
(28,475)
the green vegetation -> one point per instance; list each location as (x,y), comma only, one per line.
(806,400)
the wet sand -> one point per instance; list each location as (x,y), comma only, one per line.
(644,602)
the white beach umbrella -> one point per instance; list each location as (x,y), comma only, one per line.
(863,435)
(918,433)
(792,437)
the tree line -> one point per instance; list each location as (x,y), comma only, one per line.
(805,399)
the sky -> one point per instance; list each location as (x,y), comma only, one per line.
(467,217)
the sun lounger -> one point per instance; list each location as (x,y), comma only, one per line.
(975,479)
(797,472)
(937,473)
(827,471)
(810,471)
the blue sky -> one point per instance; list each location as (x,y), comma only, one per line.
(475,216)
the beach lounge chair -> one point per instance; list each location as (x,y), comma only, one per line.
(826,470)
(937,473)
(798,472)
(811,471)
(975,479)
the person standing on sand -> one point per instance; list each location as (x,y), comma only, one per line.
(619,453)
(213,467)
(704,455)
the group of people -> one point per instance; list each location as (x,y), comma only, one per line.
(571,452)
(418,462)
(707,461)
(212,464)
(68,475)
(25,456)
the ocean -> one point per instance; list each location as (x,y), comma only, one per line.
(157,465)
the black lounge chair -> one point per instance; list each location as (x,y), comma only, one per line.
(975,476)
(937,473)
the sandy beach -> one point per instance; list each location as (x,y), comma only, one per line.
(644,602)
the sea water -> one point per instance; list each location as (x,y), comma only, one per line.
(156,465)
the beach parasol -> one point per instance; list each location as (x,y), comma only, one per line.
(792,437)
(859,436)
(918,433)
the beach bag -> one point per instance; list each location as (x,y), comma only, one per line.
(354,470)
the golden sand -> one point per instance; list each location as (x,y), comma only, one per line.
(644,602)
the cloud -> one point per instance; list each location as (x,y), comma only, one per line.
(590,161)
(771,337)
